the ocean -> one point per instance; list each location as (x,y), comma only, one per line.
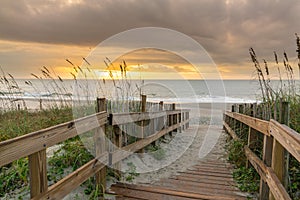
(200,96)
(177,91)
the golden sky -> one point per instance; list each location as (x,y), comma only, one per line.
(41,33)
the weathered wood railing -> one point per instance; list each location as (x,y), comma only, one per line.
(34,147)
(277,139)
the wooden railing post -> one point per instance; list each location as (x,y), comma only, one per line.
(161,120)
(100,145)
(187,117)
(38,173)
(117,141)
(174,118)
(267,154)
(183,119)
(143,109)
(241,110)
(279,163)
(41,104)
(234,123)
(285,112)
(252,134)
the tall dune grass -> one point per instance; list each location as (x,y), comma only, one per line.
(288,90)
(16,119)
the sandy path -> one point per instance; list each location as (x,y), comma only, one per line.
(205,140)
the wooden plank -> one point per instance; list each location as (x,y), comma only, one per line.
(125,118)
(287,137)
(277,163)
(118,145)
(204,177)
(126,198)
(143,109)
(73,180)
(100,146)
(210,174)
(158,190)
(212,169)
(205,180)
(174,112)
(214,162)
(145,195)
(214,165)
(268,175)
(229,187)
(25,145)
(38,173)
(252,133)
(258,124)
(204,189)
(267,159)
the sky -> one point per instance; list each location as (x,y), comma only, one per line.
(37,33)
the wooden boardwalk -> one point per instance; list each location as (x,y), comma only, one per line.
(209,178)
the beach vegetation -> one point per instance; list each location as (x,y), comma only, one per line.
(287,91)
(17,118)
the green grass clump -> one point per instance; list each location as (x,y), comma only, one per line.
(156,151)
(247,178)
(295,114)
(236,153)
(14,176)
(71,155)
(15,123)
(130,173)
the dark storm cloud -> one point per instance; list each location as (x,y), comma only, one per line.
(225,28)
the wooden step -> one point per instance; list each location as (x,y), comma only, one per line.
(158,193)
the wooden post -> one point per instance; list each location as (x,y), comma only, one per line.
(183,119)
(241,110)
(179,121)
(38,173)
(162,120)
(100,146)
(285,120)
(279,163)
(234,123)
(187,117)
(174,118)
(41,105)
(143,103)
(118,145)
(267,154)
(252,134)
(143,109)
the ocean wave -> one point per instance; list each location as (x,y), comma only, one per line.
(192,99)
(205,99)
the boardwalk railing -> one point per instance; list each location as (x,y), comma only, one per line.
(277,139)
(34,146)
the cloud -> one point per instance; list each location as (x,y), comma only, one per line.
(225,28)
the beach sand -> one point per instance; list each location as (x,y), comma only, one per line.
(200,141)
(204,137)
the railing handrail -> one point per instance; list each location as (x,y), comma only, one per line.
(34,146)
(25,145)
(288,138)
(292,137)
